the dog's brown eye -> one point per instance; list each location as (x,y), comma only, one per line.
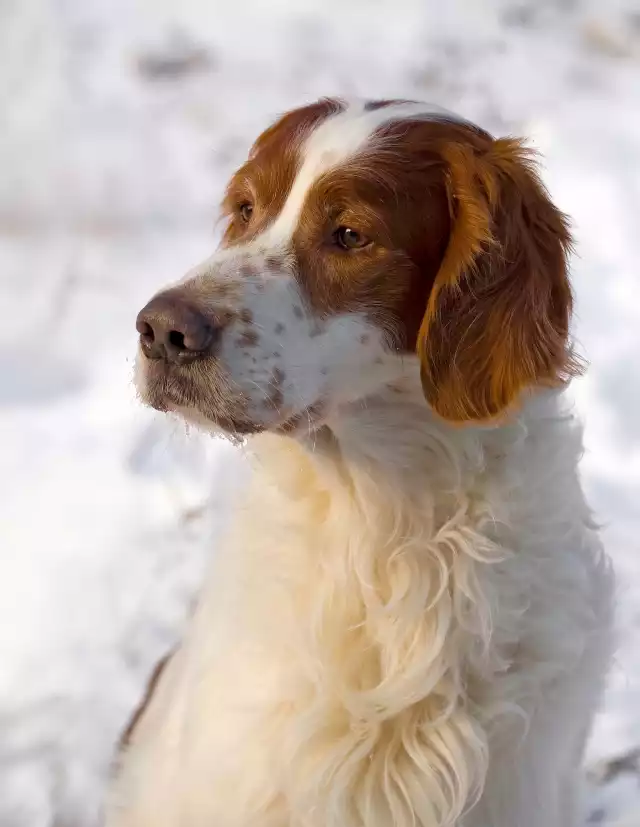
(246,211)
(350,239)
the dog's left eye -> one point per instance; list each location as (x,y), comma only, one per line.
(350,239)
(246,211)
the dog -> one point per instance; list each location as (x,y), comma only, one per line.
(409,622)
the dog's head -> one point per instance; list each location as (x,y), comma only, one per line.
(357,235)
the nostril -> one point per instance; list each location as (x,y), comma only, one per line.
(173,329)
(146,333)
(176,338)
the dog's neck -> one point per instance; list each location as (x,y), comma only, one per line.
(395,444)
(369,553)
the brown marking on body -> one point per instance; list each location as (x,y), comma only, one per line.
(127,735)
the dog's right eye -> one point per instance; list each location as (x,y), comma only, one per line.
(246,211)
(349,239)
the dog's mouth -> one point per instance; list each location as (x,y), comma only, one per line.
(163,386)
(201,396)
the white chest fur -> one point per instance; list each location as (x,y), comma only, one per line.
(389,615)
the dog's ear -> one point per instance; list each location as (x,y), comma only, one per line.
(497,319)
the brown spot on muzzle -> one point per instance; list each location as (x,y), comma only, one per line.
(246,315)
(275,398)
(249,338)
(247,271)
(274,264)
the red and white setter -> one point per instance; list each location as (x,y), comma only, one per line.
(409,623)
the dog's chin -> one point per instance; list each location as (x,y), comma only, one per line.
(300,424)
(172,393)
(218,425)
(151,397)
(192,414)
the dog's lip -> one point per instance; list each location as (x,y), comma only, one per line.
(167,388)
(172,397)
(162,384)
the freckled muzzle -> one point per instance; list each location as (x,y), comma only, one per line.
(238,346)
(213,349)
(180,335)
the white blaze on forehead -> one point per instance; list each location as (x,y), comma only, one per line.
(331,143)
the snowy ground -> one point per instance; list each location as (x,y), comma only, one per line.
(119,123)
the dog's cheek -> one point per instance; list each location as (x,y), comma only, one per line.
(252,368)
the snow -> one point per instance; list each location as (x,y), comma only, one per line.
(119,124)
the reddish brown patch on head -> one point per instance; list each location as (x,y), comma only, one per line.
(462,260)
(465,260)
(264,181)
(398,204)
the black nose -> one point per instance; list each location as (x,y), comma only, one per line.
(171,327)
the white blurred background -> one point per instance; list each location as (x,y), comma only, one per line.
(119,124)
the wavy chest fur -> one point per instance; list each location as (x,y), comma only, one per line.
(393,599)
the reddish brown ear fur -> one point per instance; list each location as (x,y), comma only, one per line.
(498,315)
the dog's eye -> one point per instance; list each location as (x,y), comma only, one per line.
(246,211)
(350,239)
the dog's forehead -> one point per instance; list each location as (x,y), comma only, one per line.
(344,132)
(341,130)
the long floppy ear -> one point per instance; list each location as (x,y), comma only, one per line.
(498,314)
